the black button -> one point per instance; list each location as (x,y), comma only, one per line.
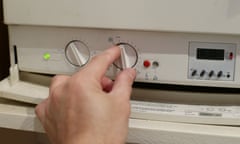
(202,73)
(220,73)
(211,73)
(194,72)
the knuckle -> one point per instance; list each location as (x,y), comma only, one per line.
(58,82)
(56,78)
(105,56)
(54,93)
(37,110)
(108,56)
(54,96)
(59,78)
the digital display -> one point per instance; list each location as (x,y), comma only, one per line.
(210,54)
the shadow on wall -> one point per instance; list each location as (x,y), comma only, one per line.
(4,47)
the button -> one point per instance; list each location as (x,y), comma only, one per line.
(211,73)
(220,73)
(146,76)
(155,64)
(155,78)
(194,72)
(230,55)
(146,63)
(202,73)
(46,56)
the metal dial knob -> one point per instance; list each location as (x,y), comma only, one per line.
(128,58)
(77,53)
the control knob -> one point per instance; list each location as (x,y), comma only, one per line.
(220,73)
(194,72)
(128,58)
(202,73)
(211,73)
(77,53)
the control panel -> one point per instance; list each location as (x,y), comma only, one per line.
(212,61)
(158,57)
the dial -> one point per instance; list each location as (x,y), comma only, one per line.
(211,73)
(220,73)
(128,58)
(77,53)
(194,72)
(202,73)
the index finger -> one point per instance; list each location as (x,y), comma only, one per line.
(98,66)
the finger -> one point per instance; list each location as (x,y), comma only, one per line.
(107,84)
(123,84)
(98,66)
(40,111)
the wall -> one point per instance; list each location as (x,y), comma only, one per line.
(4,51)
(8,136)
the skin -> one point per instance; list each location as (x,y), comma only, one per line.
(88,107)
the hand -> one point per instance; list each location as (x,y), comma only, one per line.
(88,107)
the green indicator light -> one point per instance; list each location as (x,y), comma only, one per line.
(46,56)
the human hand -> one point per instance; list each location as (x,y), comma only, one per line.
(88,107)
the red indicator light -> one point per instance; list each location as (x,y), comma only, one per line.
(146,63)
(230,55)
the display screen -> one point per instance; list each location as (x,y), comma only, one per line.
(210,54)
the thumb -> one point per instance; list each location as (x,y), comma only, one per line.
(123,83)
